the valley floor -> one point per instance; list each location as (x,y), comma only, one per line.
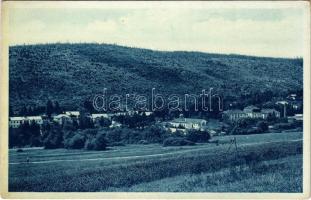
(262,163)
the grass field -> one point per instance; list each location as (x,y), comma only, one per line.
(203,167)
(271,176)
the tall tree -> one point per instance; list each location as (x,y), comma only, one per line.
(104,122)
(35,138)
(49,108)
(88,105)
(11,112)
(57,108)
(23,111)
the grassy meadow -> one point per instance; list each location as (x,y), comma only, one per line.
(262,163)
(271,176)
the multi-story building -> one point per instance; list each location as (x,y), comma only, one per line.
(15,122)
(249,112)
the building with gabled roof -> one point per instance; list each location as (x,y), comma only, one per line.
(61,118)
(270,112)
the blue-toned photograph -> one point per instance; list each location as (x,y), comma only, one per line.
(156,97)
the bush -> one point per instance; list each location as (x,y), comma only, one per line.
(100,142)
(177,141)
(76,142)
(114,135)
(53,138)
(90,144)
(89,132)
(104,122)
(245,123)
(262,126)
(154,134)
(198,136)
(130,136)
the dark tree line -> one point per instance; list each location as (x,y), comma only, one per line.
(48,109)
(28,134)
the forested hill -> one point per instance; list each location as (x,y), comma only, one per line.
(70,73)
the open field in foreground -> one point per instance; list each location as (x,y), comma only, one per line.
(263,163)
(266,176)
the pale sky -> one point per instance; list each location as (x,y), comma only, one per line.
(258,30)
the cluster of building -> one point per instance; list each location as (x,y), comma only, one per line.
(15,122)
(180,124)
(70,116)
(250,112)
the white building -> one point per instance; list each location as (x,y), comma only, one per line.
(270,112)
(61,118)
(148,113)
(97,116)
(234,115)
(72,113)
(188,123)
(66,117)
(250,112)
(115,124)
(15,122)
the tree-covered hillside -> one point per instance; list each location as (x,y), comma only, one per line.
(70,73)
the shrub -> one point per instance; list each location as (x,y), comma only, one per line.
(154,134)
(262,126)
(100,142)
(53,138)
(131,136)
(90,144)
(90,132)
(198,136)
(114,135)
(245,123)
(76,142)
(104,122)
(97,143)
(177,141)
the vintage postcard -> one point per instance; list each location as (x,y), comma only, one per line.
(150,99)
